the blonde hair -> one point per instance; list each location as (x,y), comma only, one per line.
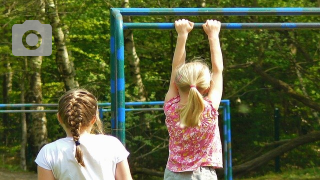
(76,109)
(192,77)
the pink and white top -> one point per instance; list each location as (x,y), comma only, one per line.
(193,147)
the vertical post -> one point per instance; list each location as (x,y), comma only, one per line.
(113,70)
(120,81)
(277,137)
(227,141)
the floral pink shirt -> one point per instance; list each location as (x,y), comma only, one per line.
(192,147)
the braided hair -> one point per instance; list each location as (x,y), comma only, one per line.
(77,108)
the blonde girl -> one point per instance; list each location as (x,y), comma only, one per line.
(82,155)
(190,107)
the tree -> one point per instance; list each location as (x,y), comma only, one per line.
(65,66)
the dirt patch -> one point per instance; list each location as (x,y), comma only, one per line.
(8,175)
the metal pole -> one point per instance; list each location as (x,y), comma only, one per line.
(219,11)
(229,140)
(225,143)
(120,75)
(229,26)
(277,136)
(114,124)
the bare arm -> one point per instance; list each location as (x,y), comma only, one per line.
(44,174)
(212,29)
(183,27)
(123,171)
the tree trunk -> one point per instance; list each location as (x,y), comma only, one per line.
(38,124)
(23,163)
(285,87)
(302,84)
(133,59)
(65,66)
(6,89)
(258,162)
(37,127)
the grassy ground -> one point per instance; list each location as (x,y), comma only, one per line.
(301,174)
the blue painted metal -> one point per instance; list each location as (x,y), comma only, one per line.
(228,26)
(219,11)
(117,17)
(119,87)
(113,81)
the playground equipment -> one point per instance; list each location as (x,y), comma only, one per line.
(117,50)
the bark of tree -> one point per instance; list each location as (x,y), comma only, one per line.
(23,163)
(133,59)
(6,89)
(65,65)
(286,88)
(37,129)
(38,124)
(299,75)
(241,169)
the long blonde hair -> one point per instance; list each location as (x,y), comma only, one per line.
(192,77)
(77,108)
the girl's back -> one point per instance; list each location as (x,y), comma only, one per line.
(101,153)
(192,147)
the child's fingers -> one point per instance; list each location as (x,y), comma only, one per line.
(191,24)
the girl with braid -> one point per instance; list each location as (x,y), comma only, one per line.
(190,107)
(82,155)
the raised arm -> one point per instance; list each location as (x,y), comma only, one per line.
(212,29)
(183,27)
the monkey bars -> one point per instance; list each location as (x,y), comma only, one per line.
(117,52)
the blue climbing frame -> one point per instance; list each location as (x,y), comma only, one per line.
(117,52)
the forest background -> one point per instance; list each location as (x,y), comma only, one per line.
(264,70)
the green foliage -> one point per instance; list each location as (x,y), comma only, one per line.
(87,28)
(291,174)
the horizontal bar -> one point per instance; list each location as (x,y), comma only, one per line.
(286,11)
(229,26)
(27,105)
(144,103)
(55,111)
(28,111)
(99,104)
(137,109)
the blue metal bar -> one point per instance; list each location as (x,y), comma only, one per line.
(120,85)
(229,26)
(229,174)
(225,143)
(113,81)
(99,104)
(27,105)
(287,11)
(28,111)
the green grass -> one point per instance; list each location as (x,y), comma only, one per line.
(293,174)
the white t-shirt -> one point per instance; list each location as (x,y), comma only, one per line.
(101,153)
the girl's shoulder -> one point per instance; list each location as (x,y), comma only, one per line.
(99,137)
(171,102)
(209,107)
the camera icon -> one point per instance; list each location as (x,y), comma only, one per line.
(44,30)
